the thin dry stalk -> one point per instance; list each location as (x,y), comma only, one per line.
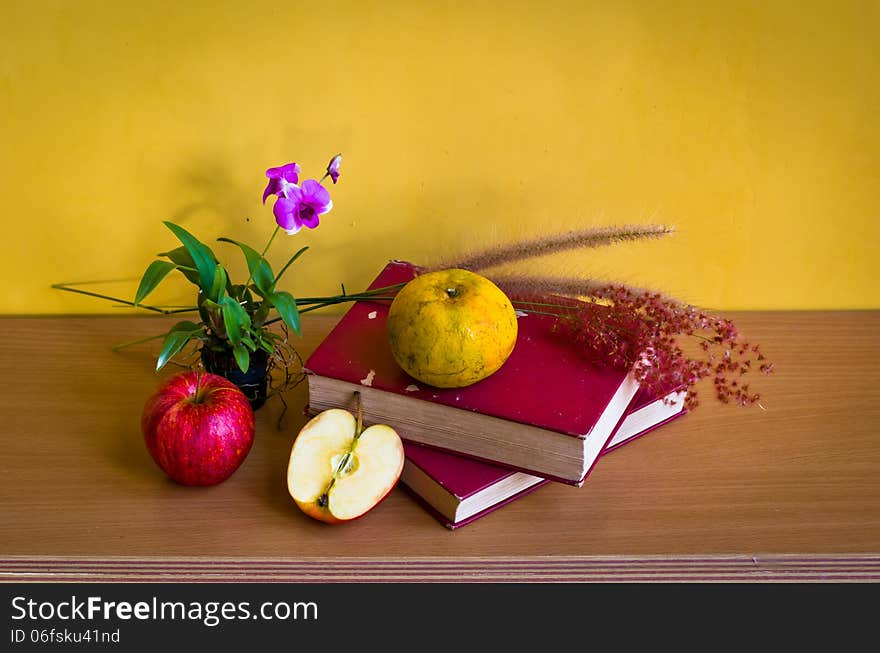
(525,287)
(552,244)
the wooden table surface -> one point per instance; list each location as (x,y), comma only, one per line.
(790,493)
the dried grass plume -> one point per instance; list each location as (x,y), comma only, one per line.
(498,255)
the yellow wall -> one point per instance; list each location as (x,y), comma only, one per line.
(754,127)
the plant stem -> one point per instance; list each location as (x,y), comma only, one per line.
(336,299)
(525,302)
(182,310)
(329,301)
(344,297)
(263,255)
(290,262)
(396,286)
(271,238)
(61,286)
(350,298)
(123,345)
(542,313)
(170,311)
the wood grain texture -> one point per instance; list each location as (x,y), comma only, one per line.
(789,492)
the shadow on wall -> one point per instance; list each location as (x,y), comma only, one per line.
(215,192)
(432,223)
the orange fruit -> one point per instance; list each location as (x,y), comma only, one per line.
(451,328)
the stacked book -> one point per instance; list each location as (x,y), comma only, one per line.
(546,415)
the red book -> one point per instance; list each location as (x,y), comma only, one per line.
(546,412)
(458,490)
(645,414)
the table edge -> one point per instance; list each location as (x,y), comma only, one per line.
(733,568)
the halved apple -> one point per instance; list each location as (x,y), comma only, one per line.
(338,471)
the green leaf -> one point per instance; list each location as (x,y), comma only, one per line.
(285,304)
(184,262)
(180,334)
(249,343)
(266,346)
(202,256)
(209,311)
(262,312)
(235,319)
(155,273)
(242,357)
(259,268)
(288,264)
(218,285)
(243,294)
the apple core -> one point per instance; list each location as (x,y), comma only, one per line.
(340,470)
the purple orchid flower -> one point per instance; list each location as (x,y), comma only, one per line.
(280,179)
(333,167)
(301,206)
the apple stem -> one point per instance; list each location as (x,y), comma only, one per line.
(360,416)
(198,397)
(324,499)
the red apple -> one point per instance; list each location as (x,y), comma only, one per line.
(198,427)
(339,471)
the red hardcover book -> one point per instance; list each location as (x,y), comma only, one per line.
(458,490)
(646,413)
(546,412)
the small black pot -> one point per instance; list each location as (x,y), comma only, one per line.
(253,383)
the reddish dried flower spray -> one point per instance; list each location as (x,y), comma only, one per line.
(645,331)
(668,344)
